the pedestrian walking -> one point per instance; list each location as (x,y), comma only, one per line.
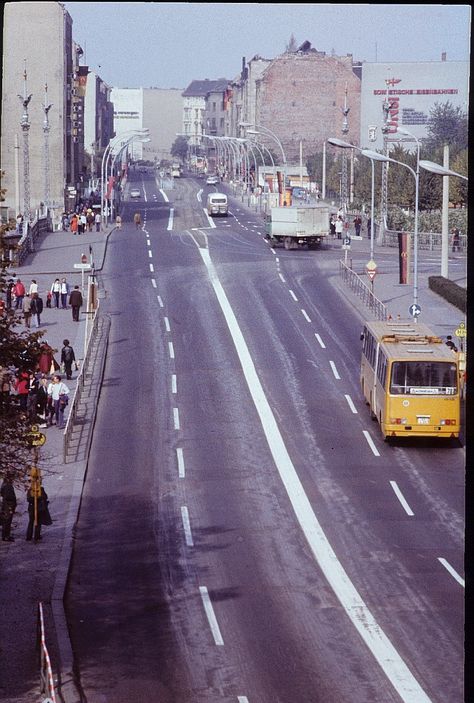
(41,515)
(75,301)
(118,222)
(5,388)
(138,220)
(97,220)
(357,224)
(31,405)
(9,293)
(74,223)
(21,388)
(47,364)
(82,223)
(64,293)
(33,287)
(339,226)
(56,291)
(90,220)
(65,222)
(59,393)
(27,310)
(332,226)
(19,293)
(8,507)
(68,358)
(42,400)
(455,239)
(36,308)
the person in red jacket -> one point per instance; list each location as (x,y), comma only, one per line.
(22,388)
(19,291)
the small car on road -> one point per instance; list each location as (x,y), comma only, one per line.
(135,193)
(212,180)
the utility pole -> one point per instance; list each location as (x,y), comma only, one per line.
(386,105)
(47,180)
(25,127)
(345,131)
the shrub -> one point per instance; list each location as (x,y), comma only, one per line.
(450,291)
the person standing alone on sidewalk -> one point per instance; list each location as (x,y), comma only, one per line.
(7,493)
(75,301)
(42,513)
(68,358)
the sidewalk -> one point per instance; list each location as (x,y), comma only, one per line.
(32,572)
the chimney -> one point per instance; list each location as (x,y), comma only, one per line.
(443,56)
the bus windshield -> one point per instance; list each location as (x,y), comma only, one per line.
(423,378)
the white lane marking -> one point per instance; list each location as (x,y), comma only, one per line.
(181,467)
(150,254)
(187,526)
(320,340)
(160,302)
(153,283)
(199,196)
(167,324)
(401,498)
(282,278)
(277,260)
(351,404)
(305,315)
(152,268)
(376,640)
(174,383)
(171,350)
(211,617)
(242,699)
(334,370)
(453,573)
(210,220)
(371,443)
(144,194)
(165,197)
(170,220)
(176,418)
(293,295)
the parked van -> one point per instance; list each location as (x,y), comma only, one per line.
(217,204)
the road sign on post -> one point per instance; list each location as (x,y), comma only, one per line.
(414,310)
(371,268)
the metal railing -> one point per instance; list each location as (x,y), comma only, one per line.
(362,290)
(32,231)
(46,672)
(430,241)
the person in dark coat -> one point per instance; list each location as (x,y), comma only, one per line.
(36,308)
(75,301)
(43,514)
(7,492)
(67,358)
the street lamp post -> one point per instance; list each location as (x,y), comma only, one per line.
(260,129)
(25,127)
(46,109)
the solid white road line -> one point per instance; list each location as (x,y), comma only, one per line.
(305,315)
(199,196)
(165,197)
(361,617)
(351,404)
(242,699)
(171,350)
(453,573)
(334,370)
(160,302)
(152,268)
(187,526)
(371,443)
(181,467)
(170,220)
(167,324)
(174,383)
(153,283)
(293,295)
(211,618)
(401,498)
(320,340)
(210,220)
(176,418)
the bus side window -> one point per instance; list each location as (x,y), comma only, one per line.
(382,369)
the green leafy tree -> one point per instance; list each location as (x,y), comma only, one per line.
(458,186)
(447,125)
(179,147)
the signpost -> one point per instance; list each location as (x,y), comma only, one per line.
(414,310)
(346,245)
(371,268)
(83,266)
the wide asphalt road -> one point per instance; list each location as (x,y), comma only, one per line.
(245,535)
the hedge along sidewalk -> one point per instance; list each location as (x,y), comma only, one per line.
(450,291)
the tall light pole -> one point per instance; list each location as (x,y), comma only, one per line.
(25,127)
(345,131)
(47,180)
(265,131)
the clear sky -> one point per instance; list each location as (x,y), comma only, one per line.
(167,45)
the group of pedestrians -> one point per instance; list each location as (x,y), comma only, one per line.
(38,510)
(30,302)
(81,222)
(337,225)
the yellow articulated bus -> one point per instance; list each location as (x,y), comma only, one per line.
(409,379)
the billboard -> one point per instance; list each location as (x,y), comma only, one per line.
(406,93)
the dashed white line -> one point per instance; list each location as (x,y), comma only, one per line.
(171,350)
(150,254)
(351,404)
(293,295)
(176,418)
(181,467)
(320,340)
(334,370)
(187,526)
(174,383)
(305,315)
(401,498)
(152,268)
(167,324)
(282,278)
(242,699)
(371,443)
(211,617)
(160,302)
(453,573)
(153,283)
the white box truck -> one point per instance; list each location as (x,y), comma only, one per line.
(292,227)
